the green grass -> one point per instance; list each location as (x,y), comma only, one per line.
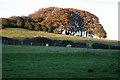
(21,33)
(58,62)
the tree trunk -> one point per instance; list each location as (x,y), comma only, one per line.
(81,33)
(86,34)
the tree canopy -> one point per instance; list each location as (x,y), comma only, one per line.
(57,20)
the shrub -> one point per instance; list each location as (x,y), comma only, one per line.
(82,45)
(56,31)
(115,47)
(38,40)
(66,42)
(100,46)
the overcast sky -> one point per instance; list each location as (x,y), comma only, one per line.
(105,10)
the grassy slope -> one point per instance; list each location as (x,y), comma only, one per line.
(58,62)
(24,33)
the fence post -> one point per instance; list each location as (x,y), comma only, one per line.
(42,44)
(54,44)
(13,43)
(21,42)
(31,43)
(6,42)
(109,50)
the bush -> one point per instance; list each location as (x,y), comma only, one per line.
(56,31)
(115,47)
(38,40)
(9,41)
(65,42)
(82,45)
(100,46)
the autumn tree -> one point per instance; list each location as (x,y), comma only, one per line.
(44,29)
(20,22)
(5,22)
(26,24)
(37,27)
(57,20)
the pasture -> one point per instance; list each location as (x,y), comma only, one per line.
(20,33)
(58,62)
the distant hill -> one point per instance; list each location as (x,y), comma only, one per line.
(67,21)
(21,33)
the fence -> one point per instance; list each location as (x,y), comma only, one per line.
(10,41)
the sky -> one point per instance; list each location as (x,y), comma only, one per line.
(105,10)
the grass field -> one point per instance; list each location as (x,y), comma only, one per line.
(21,33)
(58,62)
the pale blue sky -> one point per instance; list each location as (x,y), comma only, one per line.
(106,10)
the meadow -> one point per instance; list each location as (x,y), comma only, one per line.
(21,61)
(20,33)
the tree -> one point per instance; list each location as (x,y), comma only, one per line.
(102,34)
(31,25)
(37,27)
(63,19)
(5,22)
(49,29)
(27,24)
(44,29)
(12,24)
(20,23)
(13,21)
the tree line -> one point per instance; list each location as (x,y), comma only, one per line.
(59,20)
